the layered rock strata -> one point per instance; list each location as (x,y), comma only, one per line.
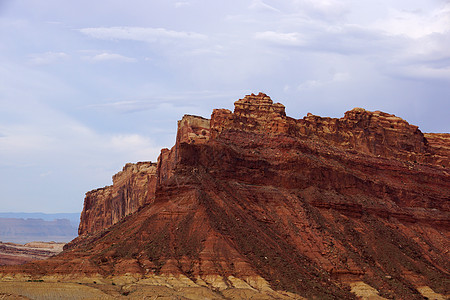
(318,207)
(373,133)
(132,188)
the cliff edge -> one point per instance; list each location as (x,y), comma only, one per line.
(258,201)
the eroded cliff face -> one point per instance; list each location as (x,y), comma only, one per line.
(257,200)
(252,113)
(193,129)
(373,133)
(132,188)
(135,185)
(359,131)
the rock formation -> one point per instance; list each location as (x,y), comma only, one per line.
(254,114)
(132,188)
(257,201)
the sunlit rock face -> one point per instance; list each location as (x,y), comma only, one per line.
(253,113)
(319,207)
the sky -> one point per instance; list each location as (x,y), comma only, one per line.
(87,86)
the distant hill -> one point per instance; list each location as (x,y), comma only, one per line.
(74,218)
(27,227)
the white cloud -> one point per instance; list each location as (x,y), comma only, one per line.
(56,138)
(138,146)
(22,139)
(46,174)
(280,39)
(212,50)
(48,58)
(125,106)
(422,40)
(396,40)
(324,8)
(111,57)
(312,55)
(422,71)
(142,34)
(182,4)
(310,84)
(161,104)
(259,5)
(313,84)
(339,77)
(415,24)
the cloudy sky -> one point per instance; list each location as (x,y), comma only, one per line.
(86,86)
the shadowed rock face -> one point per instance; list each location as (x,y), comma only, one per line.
(309,206)
(132,188)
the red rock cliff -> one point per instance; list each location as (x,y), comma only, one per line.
(255,113)
(132,188)
(311,206)
(375,133)
(135,185)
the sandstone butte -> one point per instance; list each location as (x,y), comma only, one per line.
(256,201)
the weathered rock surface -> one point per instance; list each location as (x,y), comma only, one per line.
(193,129)
(319,207)
(254,114)
(373,133)
(439,148)
(132,188)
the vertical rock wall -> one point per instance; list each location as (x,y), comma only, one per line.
(360,131)
(132,188)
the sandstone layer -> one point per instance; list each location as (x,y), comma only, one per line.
(132,188)
(318,207)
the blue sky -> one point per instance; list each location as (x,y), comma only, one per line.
(87,86)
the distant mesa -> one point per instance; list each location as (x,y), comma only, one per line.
(254,203)
(23,230)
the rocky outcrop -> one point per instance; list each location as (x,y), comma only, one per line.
(316,206)
(373,133)
(132,188)
(193,129)
(135,185)
(254,113)
(439,148)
